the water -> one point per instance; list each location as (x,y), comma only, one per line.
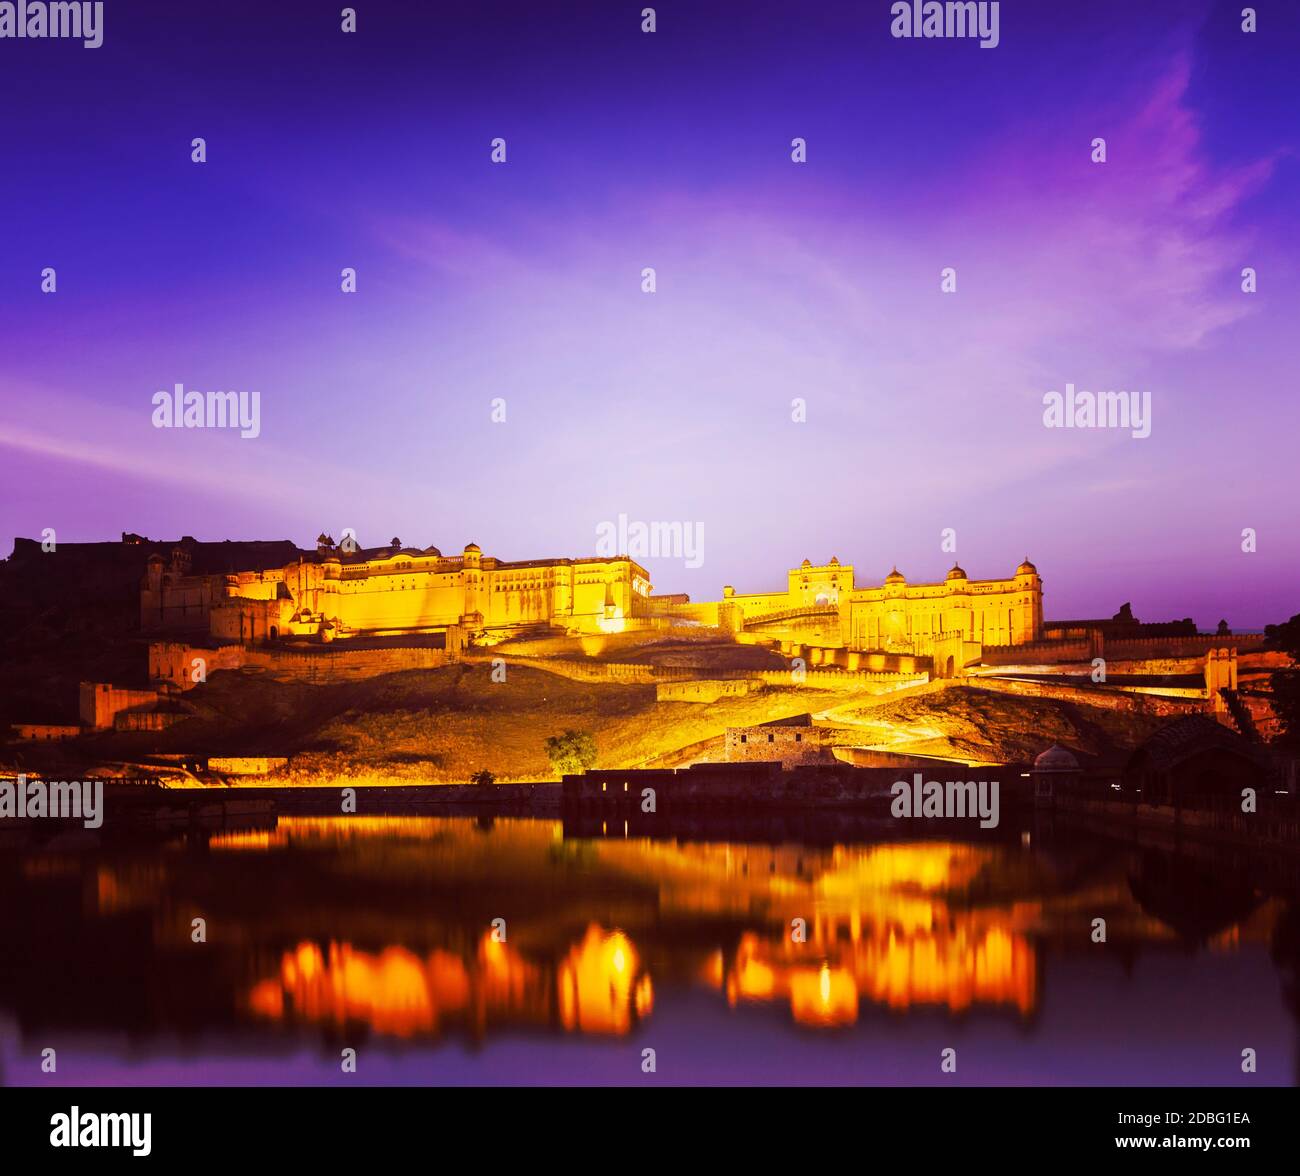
(376,934)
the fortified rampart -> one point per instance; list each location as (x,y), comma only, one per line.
(1116,648)
(705,690)
(1115,699)
(101,703)
(178,663)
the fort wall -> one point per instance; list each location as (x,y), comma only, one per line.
(44,732)
(173,662)
(705,691)
(1118,700)
(101,703)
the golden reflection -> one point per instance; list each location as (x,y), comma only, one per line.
(600,986)
(824,998)
(949,926)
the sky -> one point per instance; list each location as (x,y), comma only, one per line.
(522,282)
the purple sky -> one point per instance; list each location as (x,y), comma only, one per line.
(775,280)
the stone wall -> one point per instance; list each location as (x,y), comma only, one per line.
(1038,652)
(101,703)
(42,732)
(1115,649)
(1202,643)
(837,679)
(707,690)
(856,660)
(787,745)
(1119,700)
(174,662)
(245,765)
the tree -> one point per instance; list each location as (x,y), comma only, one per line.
(572,752)
(483,778)
(1285,683)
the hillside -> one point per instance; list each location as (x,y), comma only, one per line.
(445,724)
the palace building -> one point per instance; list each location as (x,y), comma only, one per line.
(824,601)
(392,591)
(341,591)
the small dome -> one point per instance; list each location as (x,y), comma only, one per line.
(957,573)
(806,563)
(1056,759)
(835,563)
(473,547)
(895,577)
(1026,569)
(432,551)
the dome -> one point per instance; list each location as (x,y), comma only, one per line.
(1056,759)
(473,547)
(835,563)
(956,574)
(895,577)
(1026,569)
(806,563)
(432,551)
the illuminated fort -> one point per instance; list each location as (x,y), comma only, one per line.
(335,593)
(391,591)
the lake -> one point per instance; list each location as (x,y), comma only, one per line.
(452,950)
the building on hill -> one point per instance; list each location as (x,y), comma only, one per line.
(341,591)
(787,741)
(824,602)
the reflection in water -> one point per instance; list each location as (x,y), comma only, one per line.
(599,986)
(881,927)
(393,992)
(897,970)
(413,928)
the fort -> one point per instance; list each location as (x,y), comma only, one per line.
(337,593)
(392,591)
(252,648)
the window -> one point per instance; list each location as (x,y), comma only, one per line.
(771,738)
